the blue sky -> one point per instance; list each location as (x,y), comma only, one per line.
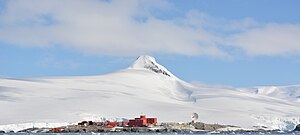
(231,42)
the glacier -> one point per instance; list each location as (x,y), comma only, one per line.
(144,87)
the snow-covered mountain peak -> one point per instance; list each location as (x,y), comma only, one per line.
(149,62)
(144,60)
(148,87)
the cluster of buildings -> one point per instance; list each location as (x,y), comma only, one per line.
(142,121)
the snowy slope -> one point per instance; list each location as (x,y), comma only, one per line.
(145,87)
(291,93)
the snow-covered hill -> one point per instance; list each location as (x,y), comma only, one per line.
(145,87)
(291,93)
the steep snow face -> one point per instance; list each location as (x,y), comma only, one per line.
(142,88)
(291,93)
(148,62)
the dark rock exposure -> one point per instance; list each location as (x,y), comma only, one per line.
(297,128)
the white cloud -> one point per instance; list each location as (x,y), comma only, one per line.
(269,40)
(129,28)
(99,27)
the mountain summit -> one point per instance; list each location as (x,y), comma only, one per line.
(149,62)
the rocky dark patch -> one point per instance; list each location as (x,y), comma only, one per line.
(297,128)
(209,127)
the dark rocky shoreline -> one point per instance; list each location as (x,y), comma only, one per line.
(162,128)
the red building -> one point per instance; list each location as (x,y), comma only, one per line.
(57,130)
(142,121)
(110,124)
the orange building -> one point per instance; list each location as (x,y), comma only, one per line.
(142,121)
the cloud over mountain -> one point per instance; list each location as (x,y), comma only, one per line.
(131,28)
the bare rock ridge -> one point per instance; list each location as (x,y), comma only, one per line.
(148,62)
